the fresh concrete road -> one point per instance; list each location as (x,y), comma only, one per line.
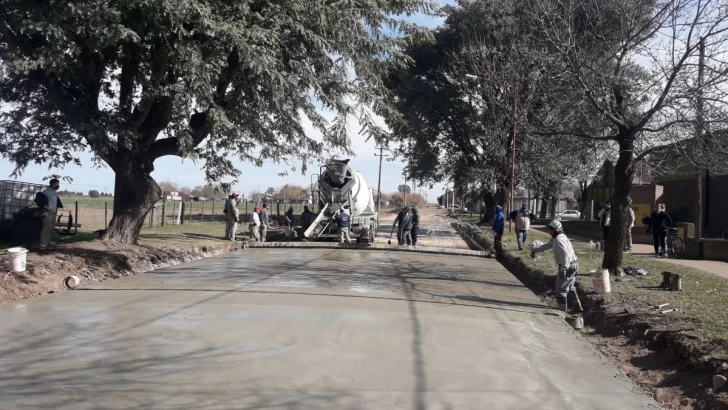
(303,329)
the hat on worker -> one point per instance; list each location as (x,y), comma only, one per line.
(256,209)
(234,195)
(556,225)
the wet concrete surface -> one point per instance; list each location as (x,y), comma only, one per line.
(304,329)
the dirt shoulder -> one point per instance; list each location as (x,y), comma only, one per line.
(672,356)
(95,260)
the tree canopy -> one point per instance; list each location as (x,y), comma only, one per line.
(133,81)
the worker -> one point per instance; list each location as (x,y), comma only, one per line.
(522,218)
(499,224)
(406,224)
(342,222)
(660,222)
(568,266)
(288,228)
(49,203)
(630,226)
(398,223)
(605,219)
(415,225)
(307,218)
(231,216)
(264,222)
(255,225)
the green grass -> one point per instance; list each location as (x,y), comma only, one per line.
(702,302)
(206,205)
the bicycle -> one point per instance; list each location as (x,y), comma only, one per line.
(675,244)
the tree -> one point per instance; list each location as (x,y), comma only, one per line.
(168,186)
(93,193)
(134,81)
(635,68)
(404,188)
(207,191)
(292,191)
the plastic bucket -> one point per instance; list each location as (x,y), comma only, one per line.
(600,281)
(16,259)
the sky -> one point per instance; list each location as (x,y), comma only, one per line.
(190,174)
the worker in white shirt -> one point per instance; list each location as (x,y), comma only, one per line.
(255,224)
(568,266)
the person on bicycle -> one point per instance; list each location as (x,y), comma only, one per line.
(660,223)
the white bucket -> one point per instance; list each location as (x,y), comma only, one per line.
(600,281)
(16,259)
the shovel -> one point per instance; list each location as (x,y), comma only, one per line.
(389,242)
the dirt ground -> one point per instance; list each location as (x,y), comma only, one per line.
(95,260)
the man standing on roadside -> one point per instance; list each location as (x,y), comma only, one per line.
(49,202)
(264,222)
(398,223)
(342,222)
(231,216)
(630,225)
(499,224)
(523,223)
(568,267)
(307,218)
(605,219)
(255,224)
(406,224)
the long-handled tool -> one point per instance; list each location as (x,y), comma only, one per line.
(389,242)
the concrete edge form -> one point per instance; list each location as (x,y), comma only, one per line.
(373,247)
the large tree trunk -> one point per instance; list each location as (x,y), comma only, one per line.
(489,211)
(623,172)
(135,193)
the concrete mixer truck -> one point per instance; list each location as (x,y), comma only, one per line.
(339,186)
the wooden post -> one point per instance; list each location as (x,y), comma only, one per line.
(164,211)
(190,213)
(151,218)
(213,210)
(202,212)
(175,220)
(75,228)
(106,215)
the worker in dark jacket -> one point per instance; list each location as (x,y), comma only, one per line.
(499,224)
(660,223)
(49,203)
(406,224)
(415,225)
(307,218)
(342,222)
(398,223)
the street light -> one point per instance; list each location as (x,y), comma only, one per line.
(513,150)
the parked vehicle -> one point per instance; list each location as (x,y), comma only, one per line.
(457,208)
(571,215)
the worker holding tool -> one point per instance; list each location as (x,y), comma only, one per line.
(342,221)
(568,266)
(255,225)
(288,228)
(398,223)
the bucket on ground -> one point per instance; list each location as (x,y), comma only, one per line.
(71,282)
(17,259)
(600,281)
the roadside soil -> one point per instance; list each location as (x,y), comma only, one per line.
(662,353)
(96,260)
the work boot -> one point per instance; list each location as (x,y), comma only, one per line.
(562,307)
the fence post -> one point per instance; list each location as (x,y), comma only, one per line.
(213,210)
(151,218)
(106,215)
(591,211)
(75,228)
(278,207)
(175,213)
(190,213)
(164,210)
(202,212)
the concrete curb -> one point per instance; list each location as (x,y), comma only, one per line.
(373,247)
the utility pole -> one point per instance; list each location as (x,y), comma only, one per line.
(404,192)
(414,191)
(379,184)
(699,131)
(513,159)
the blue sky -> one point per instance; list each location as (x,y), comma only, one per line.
(188,173)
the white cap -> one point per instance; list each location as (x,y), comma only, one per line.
(556,225)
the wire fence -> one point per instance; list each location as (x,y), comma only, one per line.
(96,213)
